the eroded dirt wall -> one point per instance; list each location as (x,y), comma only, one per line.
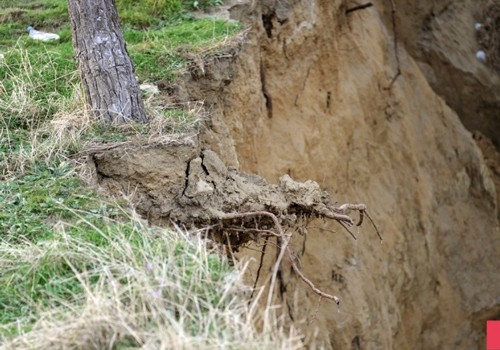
(309,99)
(441,37)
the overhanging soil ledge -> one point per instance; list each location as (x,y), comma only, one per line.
(183,185)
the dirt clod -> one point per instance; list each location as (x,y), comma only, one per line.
(195,189)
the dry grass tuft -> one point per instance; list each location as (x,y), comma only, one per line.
(174,119)
(73,130)
(171,293)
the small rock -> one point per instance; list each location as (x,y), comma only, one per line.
(481,55)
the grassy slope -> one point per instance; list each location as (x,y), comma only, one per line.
(72,265)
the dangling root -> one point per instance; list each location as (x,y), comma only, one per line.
(338,214)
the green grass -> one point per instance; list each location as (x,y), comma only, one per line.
(39,82)
(91,255)
(156,53)
(30,206)
(92,275)
(67,255)
(36,77)
(154,49)
(74,266)
(146,13)
(15,16)
(31,203)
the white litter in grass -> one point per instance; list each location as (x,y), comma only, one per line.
(42,36)
(478,26)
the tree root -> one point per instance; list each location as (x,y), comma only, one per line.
(338,214)
(395,43)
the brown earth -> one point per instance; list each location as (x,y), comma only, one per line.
(194,188)
(306,95)
(440,36)
(492,160)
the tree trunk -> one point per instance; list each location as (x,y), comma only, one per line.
(105,66)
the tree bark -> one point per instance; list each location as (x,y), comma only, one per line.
(107,72)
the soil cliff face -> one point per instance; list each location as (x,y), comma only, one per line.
(441,37)
(309,98)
